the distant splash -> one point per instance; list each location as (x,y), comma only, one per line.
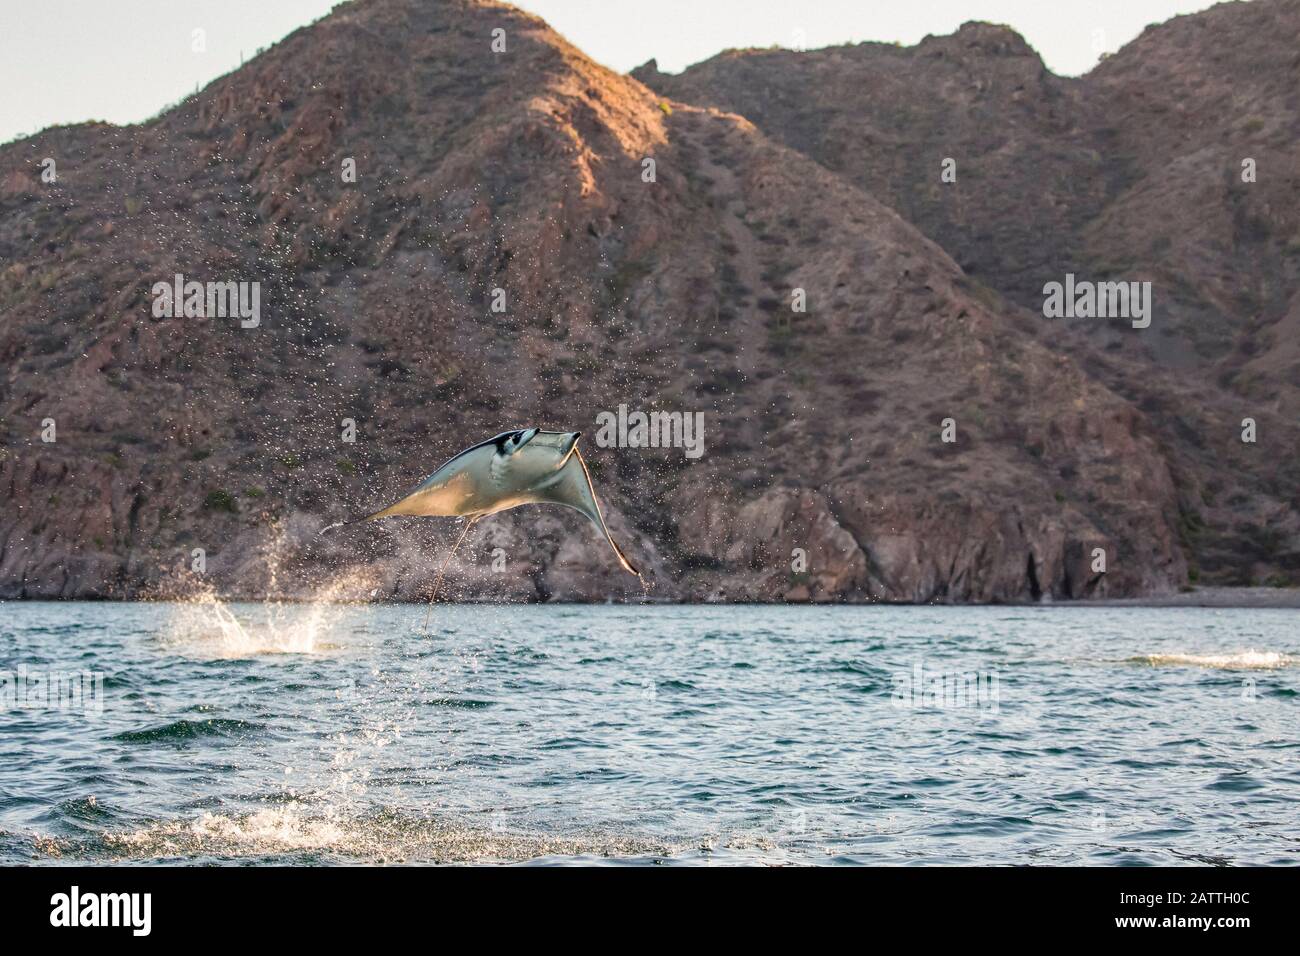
(1243,660)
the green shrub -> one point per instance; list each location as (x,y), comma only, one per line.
(220,500)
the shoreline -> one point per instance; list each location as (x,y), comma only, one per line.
(1208,597)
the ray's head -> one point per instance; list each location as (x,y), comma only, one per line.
(535,451)
(510,442)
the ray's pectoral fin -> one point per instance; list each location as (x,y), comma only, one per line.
(425,501)
(574,490)
(405,506)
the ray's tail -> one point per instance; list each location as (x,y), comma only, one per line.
(351,521)
(437,582)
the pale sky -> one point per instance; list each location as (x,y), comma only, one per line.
(64,61)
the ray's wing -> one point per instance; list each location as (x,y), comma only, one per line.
(574,490)
(418,502)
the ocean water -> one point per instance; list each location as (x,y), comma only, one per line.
(320,734)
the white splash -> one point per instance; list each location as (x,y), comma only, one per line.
(381,837)
(1243,660)
(206,624)
(210,627)
(280,828)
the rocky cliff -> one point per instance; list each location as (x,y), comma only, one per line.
(531,239)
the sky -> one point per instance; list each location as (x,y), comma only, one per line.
(64,61)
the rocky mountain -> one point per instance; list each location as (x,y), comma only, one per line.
(1136,172)
(532,239)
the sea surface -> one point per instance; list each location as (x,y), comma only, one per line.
(343,734)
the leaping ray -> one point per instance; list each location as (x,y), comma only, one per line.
(527,467)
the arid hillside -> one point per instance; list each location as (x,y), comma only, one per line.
(531,239)
(1136,171)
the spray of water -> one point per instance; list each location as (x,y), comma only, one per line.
(205,623)
(209,626)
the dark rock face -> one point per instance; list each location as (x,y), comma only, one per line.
(825,474)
